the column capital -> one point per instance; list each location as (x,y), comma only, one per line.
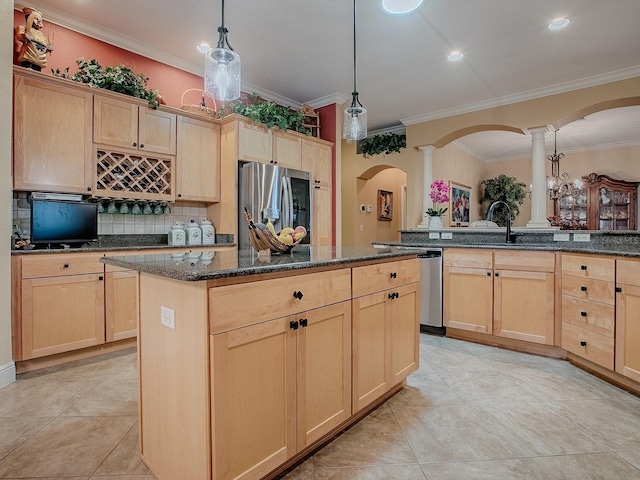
(427,148)
(540,129)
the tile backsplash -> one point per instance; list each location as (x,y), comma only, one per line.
(117,223)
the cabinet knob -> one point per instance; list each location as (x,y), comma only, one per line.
(135,144)
(583,267)
(393,275)
(583,288)
(488,274)
(583,343)
(497,274)
(303,322)
(88,189)
(297,294)
(142,145)
(100,277)
(618,289)
(179,195)
(583,314)
(293,325)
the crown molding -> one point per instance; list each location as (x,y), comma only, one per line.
(469,151)
(268,95)
(397,129)
(593,81)
(333,98)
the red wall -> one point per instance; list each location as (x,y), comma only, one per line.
(327,116)
(69,46)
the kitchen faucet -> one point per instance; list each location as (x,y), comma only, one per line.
(510,238)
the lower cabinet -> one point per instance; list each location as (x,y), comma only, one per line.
(278,386)
(121,304)
(627,356)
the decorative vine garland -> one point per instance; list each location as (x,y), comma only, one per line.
(385,143)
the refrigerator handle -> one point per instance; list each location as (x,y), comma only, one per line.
(287,204)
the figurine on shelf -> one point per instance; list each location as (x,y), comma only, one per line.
(35,44)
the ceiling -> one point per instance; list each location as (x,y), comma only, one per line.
(296,51)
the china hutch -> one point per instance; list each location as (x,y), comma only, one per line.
(603,203)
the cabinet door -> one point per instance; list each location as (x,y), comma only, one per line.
(628,332)
(468,298)
(115,122)
(254,399)
(371,349)
(403,315)
(198,160)
(121,305)
(286,149)
(322,227)
(157,131)
(324,371)
(52,146)
(60,314)
(254,142)
(524,305)
(316,158)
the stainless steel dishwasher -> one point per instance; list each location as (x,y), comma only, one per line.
(431,291)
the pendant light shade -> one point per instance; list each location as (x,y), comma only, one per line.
(222,68)
(354,125)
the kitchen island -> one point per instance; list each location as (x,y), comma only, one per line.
(247,363)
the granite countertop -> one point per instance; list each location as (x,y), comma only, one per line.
(232,263)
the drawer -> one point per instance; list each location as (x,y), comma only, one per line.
(597,317)
(589,266)
(472,258)
(61,264)
(376,278)
(628,272)
(588,344)
(589,289)
(524,260)
(230,307)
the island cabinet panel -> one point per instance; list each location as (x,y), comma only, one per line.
(468,298)
(121,304)
(627,360)
(51,136)
(232,307)
(385,328)
(588,307)
(278,386)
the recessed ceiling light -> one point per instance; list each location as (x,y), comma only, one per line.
(558,23)
(399,7)
(455,56)
(203,47)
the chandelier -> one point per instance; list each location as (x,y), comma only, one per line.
(354,125)
(559,184)
(222,68)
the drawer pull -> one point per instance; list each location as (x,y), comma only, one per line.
(142,145)
(488,274)
(135,144)
(583,343)
(583,288)
(393,295)
(393,275)
(583,314)
(66,265)
(497,274)
(303,322)
(297,294)
(100,277)
(583,267)
(293,325)
(618,289)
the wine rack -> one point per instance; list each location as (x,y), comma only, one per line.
(132,175)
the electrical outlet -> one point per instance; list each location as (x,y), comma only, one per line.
(447,235)
(581,237)
(560,237)
(168,317)
(434,235)
(369,208)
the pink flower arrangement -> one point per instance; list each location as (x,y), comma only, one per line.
(439,194)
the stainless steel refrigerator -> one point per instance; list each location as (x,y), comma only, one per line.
(272,192)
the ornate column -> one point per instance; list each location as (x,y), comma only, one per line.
(427,178)
(538,180)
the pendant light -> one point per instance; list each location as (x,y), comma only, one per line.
(354,125)
(222,68)
(559,184)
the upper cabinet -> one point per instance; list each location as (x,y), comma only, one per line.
(52,144)
(124,124)
(604,203)
(287,149)
(317,159)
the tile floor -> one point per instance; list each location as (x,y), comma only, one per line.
(470,412)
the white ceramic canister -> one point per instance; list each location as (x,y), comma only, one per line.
(208,232)
(177,235)
(194,234)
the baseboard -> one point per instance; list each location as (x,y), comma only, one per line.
(7,374)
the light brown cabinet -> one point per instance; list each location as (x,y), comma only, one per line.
(604,203)
(287,149)
(299,366)
(504,293)
(588,307)
(322,219)
(197,160)
(52,146)
(385,328)
(121,303)
(317,159)
(125,124)
(627,356)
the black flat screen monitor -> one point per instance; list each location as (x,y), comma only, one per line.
(57,222)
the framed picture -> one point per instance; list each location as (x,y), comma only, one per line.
(385,205)
(460,201)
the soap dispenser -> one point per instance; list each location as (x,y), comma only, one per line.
(194,234)
(177,235)
(208,232)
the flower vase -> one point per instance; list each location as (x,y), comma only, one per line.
(435,223)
